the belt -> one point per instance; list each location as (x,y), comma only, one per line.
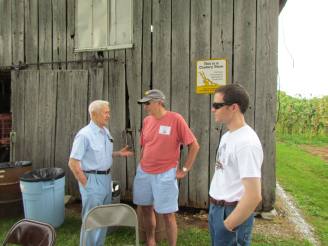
(97,171)
(222,203)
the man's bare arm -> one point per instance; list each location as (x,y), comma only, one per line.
(193,149)
(75,167)
(247,204)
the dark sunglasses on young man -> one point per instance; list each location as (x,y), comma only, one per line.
(218,105)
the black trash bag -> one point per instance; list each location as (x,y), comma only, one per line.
(4,165)
(43,174)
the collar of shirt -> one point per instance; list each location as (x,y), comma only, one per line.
(96,129)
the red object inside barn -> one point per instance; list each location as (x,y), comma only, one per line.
(5,128)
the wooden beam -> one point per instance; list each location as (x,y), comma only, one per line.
(266,88)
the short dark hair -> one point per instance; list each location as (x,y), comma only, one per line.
(235,93)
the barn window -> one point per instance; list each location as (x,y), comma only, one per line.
(103,24)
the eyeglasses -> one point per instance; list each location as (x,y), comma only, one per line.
(218,105)
(147,103)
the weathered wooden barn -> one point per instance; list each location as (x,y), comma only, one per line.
(51,84)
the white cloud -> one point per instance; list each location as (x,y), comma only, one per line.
(303,48)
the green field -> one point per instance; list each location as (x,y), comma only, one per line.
(305,177)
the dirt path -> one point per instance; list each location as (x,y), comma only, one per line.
(280,226)
(315,150)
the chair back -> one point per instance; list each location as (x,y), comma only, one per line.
(110,215)
(31,233)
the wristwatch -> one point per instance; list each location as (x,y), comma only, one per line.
(184,169)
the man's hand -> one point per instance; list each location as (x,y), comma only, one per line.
(247,204)
(83,180)
(180,174)
(125,152)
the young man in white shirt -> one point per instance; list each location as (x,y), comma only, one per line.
(235,189)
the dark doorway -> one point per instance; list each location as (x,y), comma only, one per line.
(5,115)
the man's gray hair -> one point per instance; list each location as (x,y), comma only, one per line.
(97,105)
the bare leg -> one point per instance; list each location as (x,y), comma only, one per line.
(149,223)
(171,228)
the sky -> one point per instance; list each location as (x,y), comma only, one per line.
(303,48)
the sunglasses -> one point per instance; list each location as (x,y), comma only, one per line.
(147,103)
(217,105)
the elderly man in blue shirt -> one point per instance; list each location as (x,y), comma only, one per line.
(91,160)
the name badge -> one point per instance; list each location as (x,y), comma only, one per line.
(165,130)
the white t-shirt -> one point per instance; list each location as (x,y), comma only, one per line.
(239,156)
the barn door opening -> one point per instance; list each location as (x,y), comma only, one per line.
(5,115)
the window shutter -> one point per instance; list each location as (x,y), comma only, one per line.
(103,24)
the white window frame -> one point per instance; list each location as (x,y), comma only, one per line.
(110,38)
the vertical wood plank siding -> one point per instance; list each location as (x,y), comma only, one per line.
(146,59)
(200,49)
(70,34)
(49,101)
(47,97)
(77,105)
(5,32)
(31,33)
(116,97)
(31,107)
(161,51)
(133,88)
(17,31)
(265,98)
(221,46)
(180,85)
(245,50)
(63,124)
(45,32)
(59,33)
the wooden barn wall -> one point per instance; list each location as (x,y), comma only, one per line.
(51,95)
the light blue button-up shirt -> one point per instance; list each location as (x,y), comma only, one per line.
(93,146)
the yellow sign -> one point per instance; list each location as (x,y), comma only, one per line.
(211,74)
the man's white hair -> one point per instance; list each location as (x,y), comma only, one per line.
(97,105)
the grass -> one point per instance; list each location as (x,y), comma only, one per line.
(263,240)
(305,177)
(68,235)
(303,139)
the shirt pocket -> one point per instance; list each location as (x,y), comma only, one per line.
(97,151)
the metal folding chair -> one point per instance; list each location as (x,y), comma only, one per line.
(110,215)
(30,233)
